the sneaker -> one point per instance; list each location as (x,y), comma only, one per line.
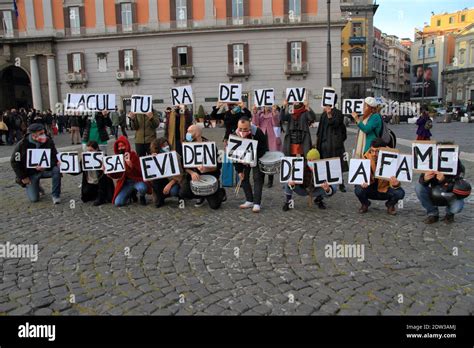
(256,208)
(56,200)
(142,200)
(286,207)
(431,219)
(449,218)
(199,202)
(246,205)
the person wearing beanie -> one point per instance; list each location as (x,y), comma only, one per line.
(297,140)
(307,189)
(29,178)
(370,126)
(330,137)
(379,189)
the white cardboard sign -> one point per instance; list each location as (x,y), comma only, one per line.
(38,158)
(264,97)
(295,95)
(199,154)
(359,171)
(292,169)
(141,103)
(327,170)
(163,165)
(242,150)
(114,164)
(90,102)
(182,95)
(92,161)
(69,162)
(352,105)
(329,97)
(230,93)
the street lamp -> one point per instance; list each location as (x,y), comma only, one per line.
(329,67)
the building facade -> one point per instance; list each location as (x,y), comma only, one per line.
(357,48)
(131,47)
(445,23)
(398,69)
(380,65)
(458,77)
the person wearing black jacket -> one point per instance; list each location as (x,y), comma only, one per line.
(435,189)
(231,117)
(330,137)
(253,198)
(36,138)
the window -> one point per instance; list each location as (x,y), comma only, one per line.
(128,62)
(357,29)
(471,54)
(463,18)
(431,51)
(127,19)
(294,11)
(356,66)
(237,11)
(181,13)
(451,20)
(8,23)
(438,22)
(296,55)
(462,56)
(74,20)
(421,52)
(182,56)
(459,93)
(102,63)
(238,58)
(76,63)
(449,93)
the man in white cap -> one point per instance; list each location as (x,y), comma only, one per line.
(370,126)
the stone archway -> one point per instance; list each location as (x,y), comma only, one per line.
(15,88)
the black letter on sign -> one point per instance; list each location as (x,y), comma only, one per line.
(224,93)
(417,153)
(285,170)
(384,156)
(444,159)
(360,171)
(328,171)
(404,167)
(174,95)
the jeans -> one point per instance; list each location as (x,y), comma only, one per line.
(318,192)
(424,195)
(14,136)
(254,196)
(392,196)
(114,130)
(127,190)
(32,190)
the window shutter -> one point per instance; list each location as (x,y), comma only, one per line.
(304,7)
(83,63)
(228,11)
(118,17)
(288,52)
(121,60)
(172,11)
(189,9)
(174,56)
(1,21)
(70,67)
(286,9)
(246,11)
(304,50)
(134,14)
(135,60)
(230,54)
(15,21)
(246,57)
(67,22)
(82,19)
(190,55)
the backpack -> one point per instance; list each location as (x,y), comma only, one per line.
(387,135)
(429,124)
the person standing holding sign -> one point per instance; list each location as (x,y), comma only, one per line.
(29,171)
(379,189)
(165,187)
(96,186)
(178,120)
(253,198)
(215,200)
(297,140)
(307,188)
(231,117)
(370,127)
(96,130)
(330,137)
(145,126)
(268,120)
(130,181)
(435,189)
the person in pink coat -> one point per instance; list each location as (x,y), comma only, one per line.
(268,120)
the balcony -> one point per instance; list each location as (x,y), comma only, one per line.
(76,79)
(238,71)
(182,73)
(124,76)
(292,69)
(357,40)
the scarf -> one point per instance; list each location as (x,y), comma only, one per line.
(361,139)
(298,112)
(172,128)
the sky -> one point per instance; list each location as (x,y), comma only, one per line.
(400,17)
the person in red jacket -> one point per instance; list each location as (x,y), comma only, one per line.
(130,181)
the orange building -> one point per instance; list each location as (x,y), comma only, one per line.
(146,46)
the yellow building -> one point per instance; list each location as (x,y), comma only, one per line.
(357,47)
(449,22)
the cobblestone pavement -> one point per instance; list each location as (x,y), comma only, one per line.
(198,261)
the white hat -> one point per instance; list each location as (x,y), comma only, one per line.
(370,101)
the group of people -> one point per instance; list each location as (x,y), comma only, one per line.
(286,130)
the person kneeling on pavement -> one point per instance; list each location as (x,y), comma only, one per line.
(435,190)
(130,181)
(307,187)
(194,134)
(36,138)
(379,189)
(96,186)
(165,187)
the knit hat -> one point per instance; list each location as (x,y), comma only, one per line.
(35,127)
(370,101)
(313,155)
